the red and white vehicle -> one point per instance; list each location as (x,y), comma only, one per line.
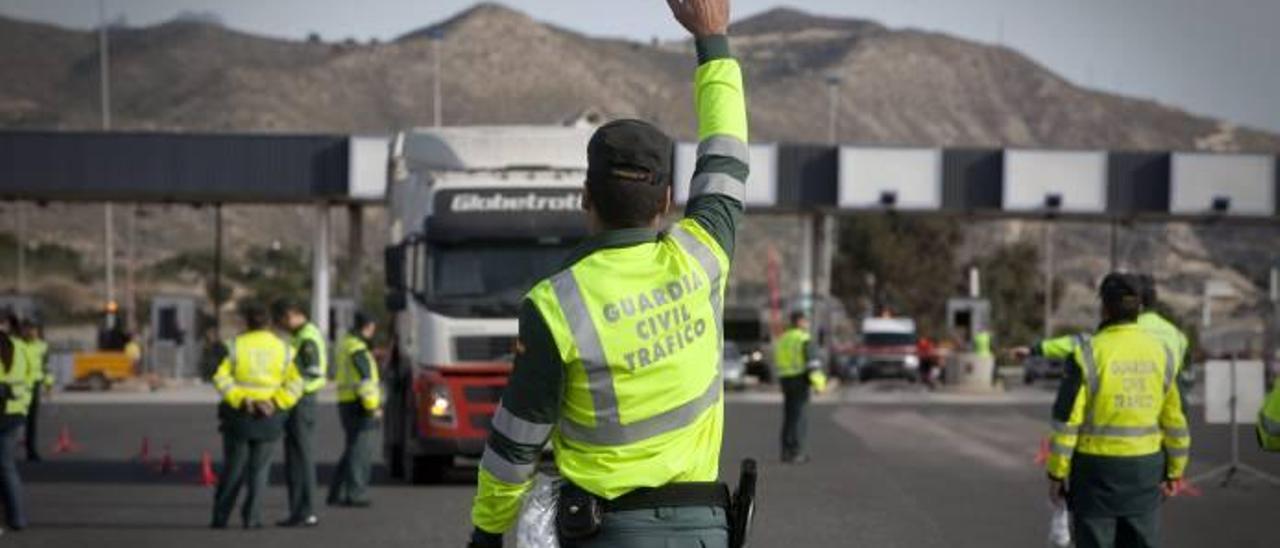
(477,216)
(886,348)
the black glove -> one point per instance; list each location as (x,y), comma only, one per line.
(483,539)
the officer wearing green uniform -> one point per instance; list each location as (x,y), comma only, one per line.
(258,383)
(15,398)
(982,343)
(1119,434)
(1269,421)
(799,372)
(37,354)
(618,356)
(359,408)
(311,359)
(1061,348)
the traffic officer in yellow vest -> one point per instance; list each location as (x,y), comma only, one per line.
(1150,320)
(15,398)
(618,359)
(37,353)
(259,383)
(311,359)
(1119,435)
(1269,420)
(359,408)
(799,371)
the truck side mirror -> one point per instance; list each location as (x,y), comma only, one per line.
(393,261)
(396,301)
(393,274)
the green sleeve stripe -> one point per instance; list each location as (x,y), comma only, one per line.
(718,214)
(723,164)
(1068,391)
(514,451)
(533,391)
(720,101)
(712,47)
(361,361)
(519,430)
(505,470)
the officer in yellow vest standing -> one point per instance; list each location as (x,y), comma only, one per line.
(1119,435)
(359,409)
(15,397)
(799,372)
(37,353)
(311,358)
(618,359)
(259,383)
(1269,421)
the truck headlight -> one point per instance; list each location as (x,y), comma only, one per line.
(911,361)
(441,404)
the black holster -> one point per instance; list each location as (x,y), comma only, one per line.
(578,513)
(742,506)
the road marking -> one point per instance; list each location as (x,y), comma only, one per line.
(911,431)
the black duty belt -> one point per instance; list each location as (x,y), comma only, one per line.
(672,495)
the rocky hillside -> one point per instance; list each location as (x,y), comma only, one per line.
(501,66)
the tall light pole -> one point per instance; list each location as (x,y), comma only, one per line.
(104,85)
(436,36)
(833,107)
(21,246)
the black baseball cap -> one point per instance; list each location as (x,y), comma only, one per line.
(1118,286)
(630,151)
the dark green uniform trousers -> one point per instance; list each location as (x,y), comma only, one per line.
(687,527)
(1140,531)
(351,478)
(245,461)
(299,460)
(795,424)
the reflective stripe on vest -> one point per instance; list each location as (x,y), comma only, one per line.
(608,429)
(519,430)
(1092,378)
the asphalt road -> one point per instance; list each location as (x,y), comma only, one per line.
(883,475)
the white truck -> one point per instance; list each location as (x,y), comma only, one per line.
(477,216)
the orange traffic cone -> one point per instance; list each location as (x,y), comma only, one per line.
(207,477)
(167,466)
(1043,454)
(65,443)
(144,453)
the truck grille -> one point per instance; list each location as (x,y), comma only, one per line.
(484,348)
(483,394)
(482,422)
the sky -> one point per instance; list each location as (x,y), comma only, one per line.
(1214,57)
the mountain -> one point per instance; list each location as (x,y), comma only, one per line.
(896,86)
(501,66)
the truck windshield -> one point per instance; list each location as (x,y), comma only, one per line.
(888,339)
(487,280)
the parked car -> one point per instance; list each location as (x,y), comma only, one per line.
(746,328)
(1040,367)
(734,367)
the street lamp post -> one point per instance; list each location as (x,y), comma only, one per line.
(104,87)
(833,107)
(436,36)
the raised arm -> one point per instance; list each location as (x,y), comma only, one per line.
(717,191)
